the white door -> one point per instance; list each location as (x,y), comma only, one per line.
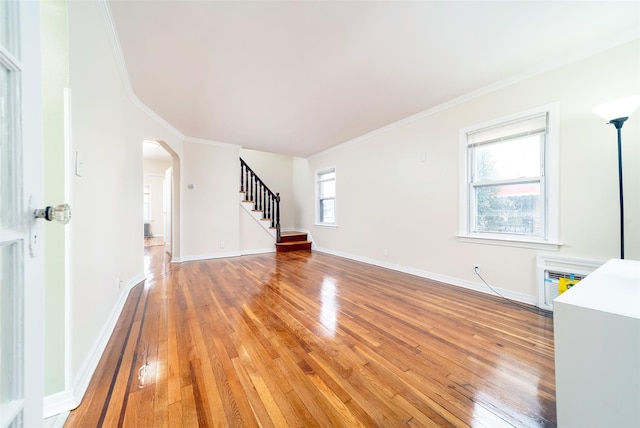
(166,208)
(21,261)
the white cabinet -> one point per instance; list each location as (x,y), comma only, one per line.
(597,348)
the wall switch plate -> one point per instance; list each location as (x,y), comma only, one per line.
(79,165)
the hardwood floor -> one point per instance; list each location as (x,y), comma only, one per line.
(307,339)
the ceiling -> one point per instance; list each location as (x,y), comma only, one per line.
(151,150)
(298,77)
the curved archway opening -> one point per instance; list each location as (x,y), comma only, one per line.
(161,196)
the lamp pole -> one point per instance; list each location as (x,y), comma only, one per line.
(616,112)
(618,124)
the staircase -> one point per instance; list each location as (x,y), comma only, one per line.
(293,241)
(264,206)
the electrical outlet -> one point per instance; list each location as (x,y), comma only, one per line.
(386,252)
(221,244)
(476,268)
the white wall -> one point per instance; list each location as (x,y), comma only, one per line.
(154,171)
(107,131)
(398,190)
(210,220)
(254,238)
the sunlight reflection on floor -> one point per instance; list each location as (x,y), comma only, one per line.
(329,306)
(484,400)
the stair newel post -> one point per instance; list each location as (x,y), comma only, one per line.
(264,207)
(278,217)
(241,176)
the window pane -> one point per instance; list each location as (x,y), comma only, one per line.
(327,176)
(327,211)
(510,208)
(328,189)
(508,159)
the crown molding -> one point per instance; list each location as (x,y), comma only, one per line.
(621,39)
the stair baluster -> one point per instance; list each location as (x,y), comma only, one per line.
(261,196)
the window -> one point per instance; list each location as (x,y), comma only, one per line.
(146,202)
(510,182)
(326,197)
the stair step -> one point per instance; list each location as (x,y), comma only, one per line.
(293,236)
(293,246)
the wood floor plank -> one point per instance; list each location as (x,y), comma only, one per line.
(307,339)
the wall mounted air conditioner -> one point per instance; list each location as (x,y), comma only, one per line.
(549,271)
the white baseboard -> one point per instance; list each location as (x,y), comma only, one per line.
(56,421)
(197,257)
(58,403)
(458,282)
(240,253)
(258,251)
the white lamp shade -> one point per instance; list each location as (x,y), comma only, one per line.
(622,107)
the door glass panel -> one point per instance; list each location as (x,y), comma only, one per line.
(11,331)
(9,27)
(8,155)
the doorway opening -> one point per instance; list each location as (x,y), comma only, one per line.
(159,195)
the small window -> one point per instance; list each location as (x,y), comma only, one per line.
(326,197)
(146,202)
(510,180)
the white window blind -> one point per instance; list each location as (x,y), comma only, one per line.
(533,125)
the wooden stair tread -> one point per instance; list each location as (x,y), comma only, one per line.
(292,243)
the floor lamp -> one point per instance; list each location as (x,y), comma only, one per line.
(616,112)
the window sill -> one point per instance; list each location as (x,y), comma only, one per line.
(510,242)
(326,225)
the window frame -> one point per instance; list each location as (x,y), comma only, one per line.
(549,239)
(318,199)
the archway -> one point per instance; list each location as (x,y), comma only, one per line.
(161,170)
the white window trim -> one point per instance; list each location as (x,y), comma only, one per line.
(318,223)
(552,169)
